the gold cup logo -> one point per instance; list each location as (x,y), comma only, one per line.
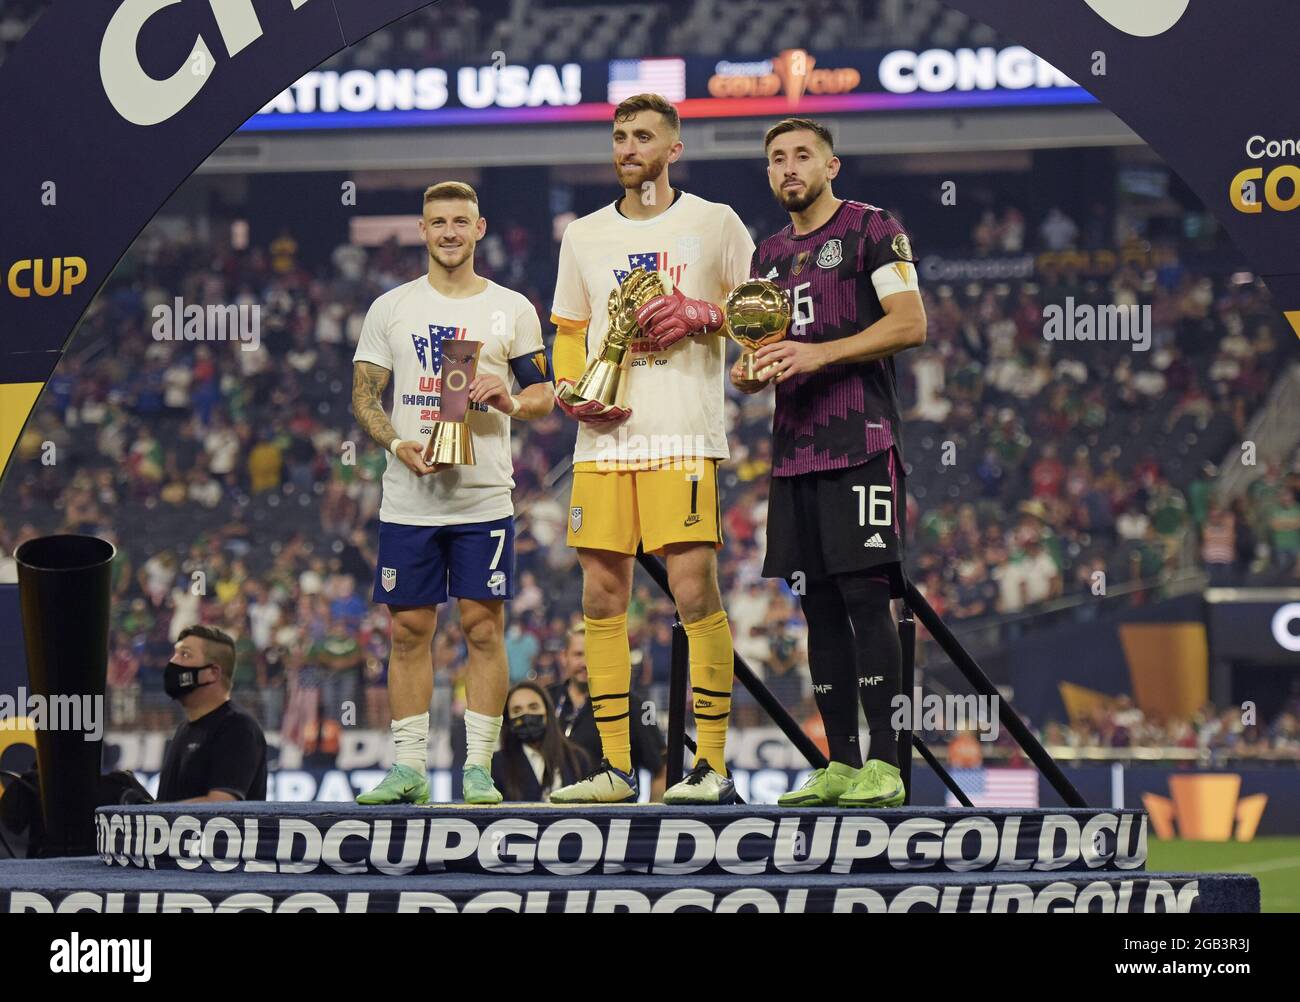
(603,379)
(758,312)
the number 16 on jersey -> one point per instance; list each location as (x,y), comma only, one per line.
(875,504)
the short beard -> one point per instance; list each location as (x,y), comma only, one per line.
(469,253)
(648,173)
(797,203)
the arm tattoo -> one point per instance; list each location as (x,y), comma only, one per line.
(368,382)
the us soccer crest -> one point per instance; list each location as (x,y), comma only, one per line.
(831,254)
(388,578)
(575,519)
(687,250)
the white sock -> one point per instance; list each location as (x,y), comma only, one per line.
(481,736)
(411,741)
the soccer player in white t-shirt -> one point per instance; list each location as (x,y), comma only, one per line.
(645,468)
(442,525)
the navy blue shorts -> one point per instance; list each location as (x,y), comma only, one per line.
(417,562)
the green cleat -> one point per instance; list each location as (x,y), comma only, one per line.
(477,785)
(878,785)
(402,785)
(823,788)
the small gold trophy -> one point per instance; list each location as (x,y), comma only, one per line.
(451,441)
(603,379)
(758,312)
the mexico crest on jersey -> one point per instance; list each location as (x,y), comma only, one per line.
(831,254)
(575,519)
(388,578)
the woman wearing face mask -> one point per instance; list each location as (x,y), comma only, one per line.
(536,757)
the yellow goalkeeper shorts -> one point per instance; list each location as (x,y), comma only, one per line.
(616,509)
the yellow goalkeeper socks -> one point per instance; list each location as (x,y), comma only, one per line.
(712,672)
(609,676)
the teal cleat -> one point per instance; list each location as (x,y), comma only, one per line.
(478,787)
(402,785)
(823,788)
(878,785)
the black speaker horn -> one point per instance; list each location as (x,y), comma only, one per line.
(64,584)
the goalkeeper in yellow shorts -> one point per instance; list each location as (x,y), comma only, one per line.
(647,472)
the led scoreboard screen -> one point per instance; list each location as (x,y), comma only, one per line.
(788,82)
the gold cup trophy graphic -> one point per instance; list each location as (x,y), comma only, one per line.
(603,379)
(451,442)
(758,312)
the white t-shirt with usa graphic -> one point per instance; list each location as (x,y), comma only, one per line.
(676,396)
(403,332)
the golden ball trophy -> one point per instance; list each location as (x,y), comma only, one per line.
(758,312)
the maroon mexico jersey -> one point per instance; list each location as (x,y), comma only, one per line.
(836,276)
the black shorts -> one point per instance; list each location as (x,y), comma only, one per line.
(839,522)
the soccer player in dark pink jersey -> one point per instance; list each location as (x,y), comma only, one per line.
(836,507)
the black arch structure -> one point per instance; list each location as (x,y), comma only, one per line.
(117,102)
(1196,94)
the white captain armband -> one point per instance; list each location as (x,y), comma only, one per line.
(895,277)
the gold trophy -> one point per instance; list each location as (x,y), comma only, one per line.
(451,441)
(758,312)
(603,379)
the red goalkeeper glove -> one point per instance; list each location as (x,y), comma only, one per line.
(591,412)
(668,319)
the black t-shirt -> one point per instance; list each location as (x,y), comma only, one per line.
(222,750)
(579,724)
(841,415)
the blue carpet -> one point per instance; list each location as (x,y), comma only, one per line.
(86,884)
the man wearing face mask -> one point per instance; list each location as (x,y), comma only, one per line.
(218,753)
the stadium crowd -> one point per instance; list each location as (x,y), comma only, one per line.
(240,493)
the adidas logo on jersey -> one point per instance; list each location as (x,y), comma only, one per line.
(875,543)
(770,275)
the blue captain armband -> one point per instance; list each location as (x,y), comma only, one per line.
(533,368)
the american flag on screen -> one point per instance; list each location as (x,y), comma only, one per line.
(997,787)
(647,76)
